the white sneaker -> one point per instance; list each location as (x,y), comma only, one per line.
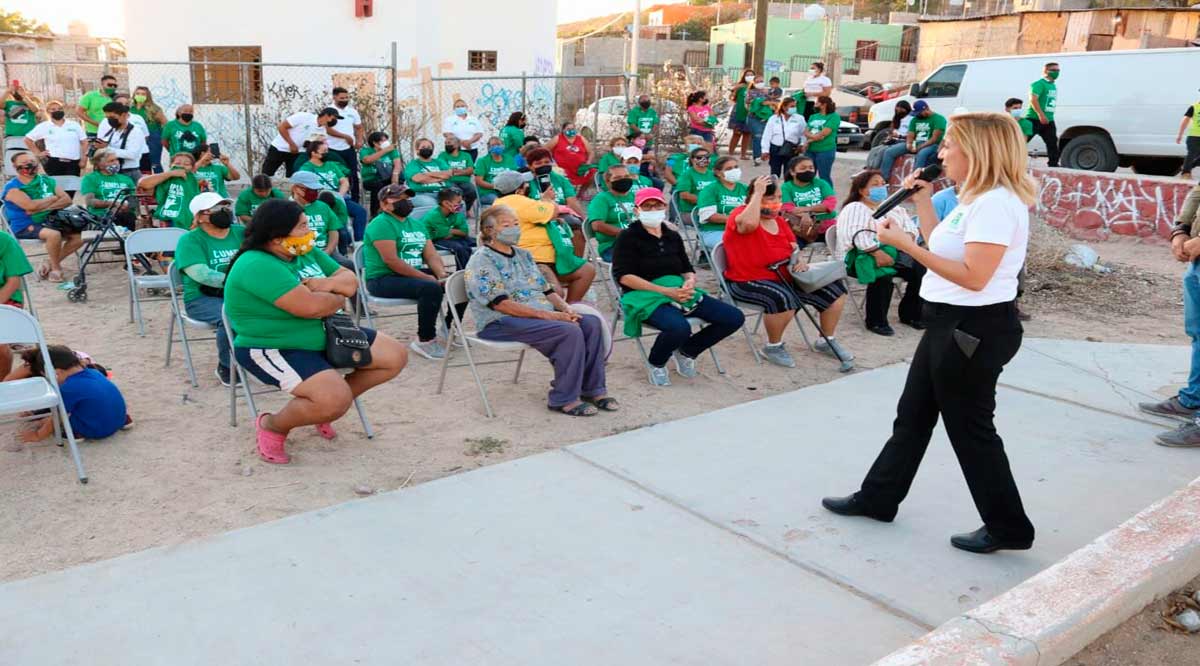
(685,366)
(432,350)
(659,377)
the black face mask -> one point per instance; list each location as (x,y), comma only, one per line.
(402,208)
(450,149)
(58,115)
(622,185)
(187,117)
(425,153)
(342,105)
(805,176)
(222,218)
(543,170)
(114,123)
(645,104)
(332,122)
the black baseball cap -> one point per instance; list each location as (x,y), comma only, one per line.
(330,111)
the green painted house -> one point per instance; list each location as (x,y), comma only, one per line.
(792,44)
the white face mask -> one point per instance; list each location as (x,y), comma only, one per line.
(384,145)
(652,218)
(734,175)
(1017,113)
(813,72)
(617,150)
(749,78)
(760,85)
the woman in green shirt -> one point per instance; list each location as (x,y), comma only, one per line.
(174,190)
(695,176)
(488,166)
(106,187)
(216,172)
(156,118)
(276,294)
(812,198)
(334,176)
(718,200)
(462,165)
(822,133)
(616,149)
(513,134)
(426,175)
(737,116)
(381,166)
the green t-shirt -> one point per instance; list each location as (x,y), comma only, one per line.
(174,195)
(1026,126)
(330,173)
(460,161)
(13,262)
(739,103)
(41,187)
(677,163)
(173,132)
(563,189)
(105,187)
(370,173)
(255,282)
(438,224)
(216,174)
(808,194)
(613,209)
(198,247)
(152,125)
(416,166)
(642,120)
(818,122)
(607,160)
(322,219)
(488,168)
(93,104)
(514,138)
(759,108)
(1047,96)
(923,128)
(724,199)
(410,236)
(248,202)
(693,182)
(18,119)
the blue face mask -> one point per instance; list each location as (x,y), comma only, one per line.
(496,150)
(878,193)
(791,111)
(634,169)
(460,111)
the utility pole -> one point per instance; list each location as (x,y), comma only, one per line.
(633,48)
(761,14)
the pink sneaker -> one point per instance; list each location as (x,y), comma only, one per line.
(270,444)
(326,430)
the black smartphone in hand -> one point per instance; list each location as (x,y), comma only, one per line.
(215,150)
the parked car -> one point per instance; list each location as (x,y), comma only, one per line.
(850,136)
(1114,109)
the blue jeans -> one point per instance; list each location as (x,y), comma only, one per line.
(675,333)
(823,160)
(358,217)
(152,161)
(756,131)
(925,156)
(711,238)
(208,309)
(890,155)
(487,198)
(1190,396)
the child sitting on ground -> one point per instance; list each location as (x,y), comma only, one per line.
(95,407)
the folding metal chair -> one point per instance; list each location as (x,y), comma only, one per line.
(694,322)
(145,241)
(27,296)
(31,246)
(603,268)
(831,246)
(719,265)
(179,316)
(242,378)
(35,393)
(366,300)
(456,295)
(680,218)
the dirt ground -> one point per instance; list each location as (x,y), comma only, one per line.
(1143,640)
(182,473)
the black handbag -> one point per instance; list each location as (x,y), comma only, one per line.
(346,345)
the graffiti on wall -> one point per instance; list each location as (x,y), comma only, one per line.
(1091,205)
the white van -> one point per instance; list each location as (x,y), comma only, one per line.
(1115,108)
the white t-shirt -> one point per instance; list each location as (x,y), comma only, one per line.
(996,217)
(815,84)
(129,148)
(303,125)
(464,128)
(350,118)
(61,142)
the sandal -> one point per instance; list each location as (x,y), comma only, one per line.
(326,430)
(54,276)
(270,443)
(43,270)
(605,404)
(582,409)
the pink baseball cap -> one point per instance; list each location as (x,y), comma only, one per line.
(646,194)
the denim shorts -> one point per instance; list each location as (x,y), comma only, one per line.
(30,232)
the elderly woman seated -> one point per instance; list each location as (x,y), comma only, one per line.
(512,302)
(28,200)
(756,237)
(658,287)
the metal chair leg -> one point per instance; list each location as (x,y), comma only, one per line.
(716,361)
(66,426)
(520,360)
(170,338)
(362,416)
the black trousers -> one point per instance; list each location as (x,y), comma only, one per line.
(1193,154)
(1049,134)
(879,296)
(944,380)
(351,159)
(276,158)
(778,163)
(63,167)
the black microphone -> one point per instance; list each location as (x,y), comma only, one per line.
(928,174)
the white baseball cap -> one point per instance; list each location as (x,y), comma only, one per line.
(631,152)
(206,200)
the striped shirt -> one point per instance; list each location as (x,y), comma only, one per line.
(856,216)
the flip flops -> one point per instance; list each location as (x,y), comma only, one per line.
(582,409)
(605,404)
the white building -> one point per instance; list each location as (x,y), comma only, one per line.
(316,46)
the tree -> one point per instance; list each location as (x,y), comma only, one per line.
(16,22)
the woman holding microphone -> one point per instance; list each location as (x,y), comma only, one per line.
(973,258)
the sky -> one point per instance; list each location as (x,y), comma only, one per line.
(576,10)
(104,18)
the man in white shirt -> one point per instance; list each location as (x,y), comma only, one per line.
(293,132)
(120,136)
(346,136)
(465,127)
(64,146)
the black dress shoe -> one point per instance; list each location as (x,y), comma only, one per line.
(850,506)
(882,329)
(982,541)
(914,323)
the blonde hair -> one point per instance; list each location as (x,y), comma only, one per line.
(996,155)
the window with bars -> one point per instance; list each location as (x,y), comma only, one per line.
(720,55)
(217,76)
(580,53)
(481,61)
(695,58)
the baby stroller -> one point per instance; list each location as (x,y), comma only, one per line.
(782,269)
(77,220)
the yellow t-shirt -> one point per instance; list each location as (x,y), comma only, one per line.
(533,215)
